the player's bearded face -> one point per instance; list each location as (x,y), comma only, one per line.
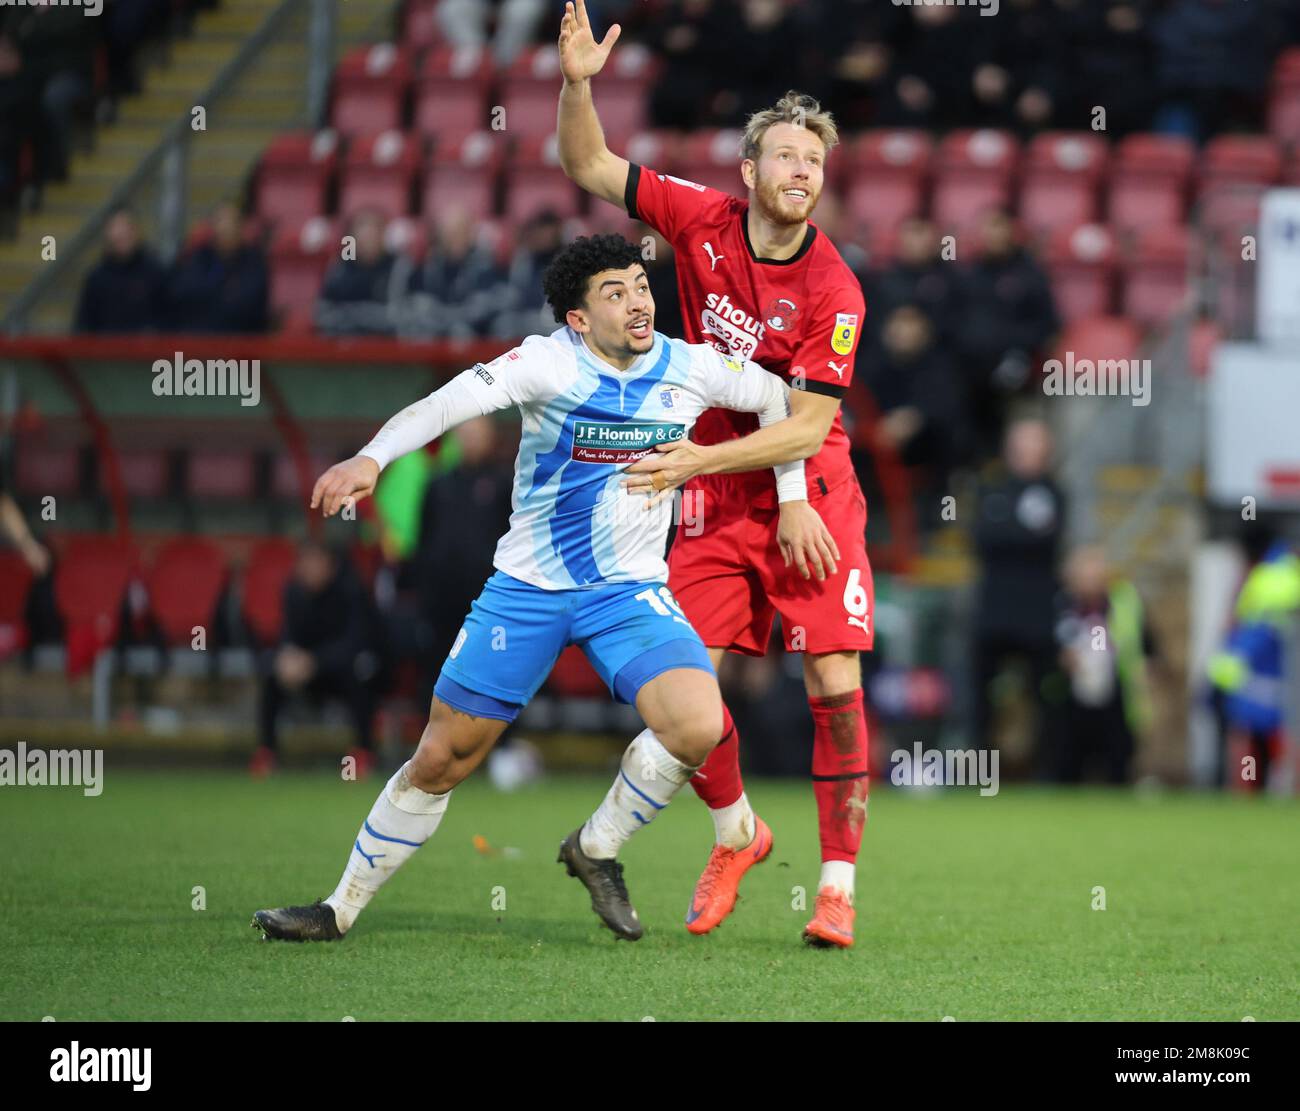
(788,176)
(777,197)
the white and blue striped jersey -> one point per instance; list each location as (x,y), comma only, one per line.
(584,423)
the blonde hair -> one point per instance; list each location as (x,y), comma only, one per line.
(797,108)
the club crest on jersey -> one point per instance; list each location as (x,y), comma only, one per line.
(668,396)
(781,314)
(846,329)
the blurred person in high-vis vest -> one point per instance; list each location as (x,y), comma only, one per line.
(1249,671)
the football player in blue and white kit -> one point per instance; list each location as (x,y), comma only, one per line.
(582,563)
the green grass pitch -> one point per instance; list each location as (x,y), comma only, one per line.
(977,908)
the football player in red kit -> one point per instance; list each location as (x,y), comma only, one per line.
(759,281)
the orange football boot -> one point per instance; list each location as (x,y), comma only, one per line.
(715,893)
(832,920)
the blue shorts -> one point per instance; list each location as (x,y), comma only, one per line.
(514,633)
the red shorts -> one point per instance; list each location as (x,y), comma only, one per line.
(731,581)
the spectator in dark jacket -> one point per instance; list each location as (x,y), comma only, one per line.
(458,289)
(1019,524)
(464,513)
(690,36)
(221,285)
(364,290)
(918,393)
(918,276)
(932,77)
(125,291)
(1213,59)
(1007,315)
(56,44)
(524,311)
(330,648)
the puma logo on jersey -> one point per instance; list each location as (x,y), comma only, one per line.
(713,259)
(839,368)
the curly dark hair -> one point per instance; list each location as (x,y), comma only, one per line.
(565,280)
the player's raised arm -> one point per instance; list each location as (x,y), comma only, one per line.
(509,380)
(583,153)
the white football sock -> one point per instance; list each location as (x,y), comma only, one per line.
(839,875)
(733,825)
(647,779)
(402,819)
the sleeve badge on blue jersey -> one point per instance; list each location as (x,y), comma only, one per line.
(732,363)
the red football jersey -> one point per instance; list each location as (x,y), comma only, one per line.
(797,317)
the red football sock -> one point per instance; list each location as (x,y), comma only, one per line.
(839,771)
(718,782)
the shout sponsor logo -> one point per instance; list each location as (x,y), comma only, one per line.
(114,1066)
(599,442)
(739,332)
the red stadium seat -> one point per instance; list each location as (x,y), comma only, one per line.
(574,677)
(184,586)
(379,172)
(535,181)
(1155,275)
(1284,98)
(1099,337)
(1232,209)
(655,150)
(451,97)
(463,176)
(144,473)
(1081,263)
(299,258)
(529,87)
(90,585)
(15,581)
(221,474)
(407,236)
(370,85)
(295,175)
(528,92)
(46,470)
(262,600)
(973,172)
(624,89)
(1232,160)
(1148,181)
(1284,115)
(1236,171)
(712,159)
(420,24)
(1062,175)
(885,177)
